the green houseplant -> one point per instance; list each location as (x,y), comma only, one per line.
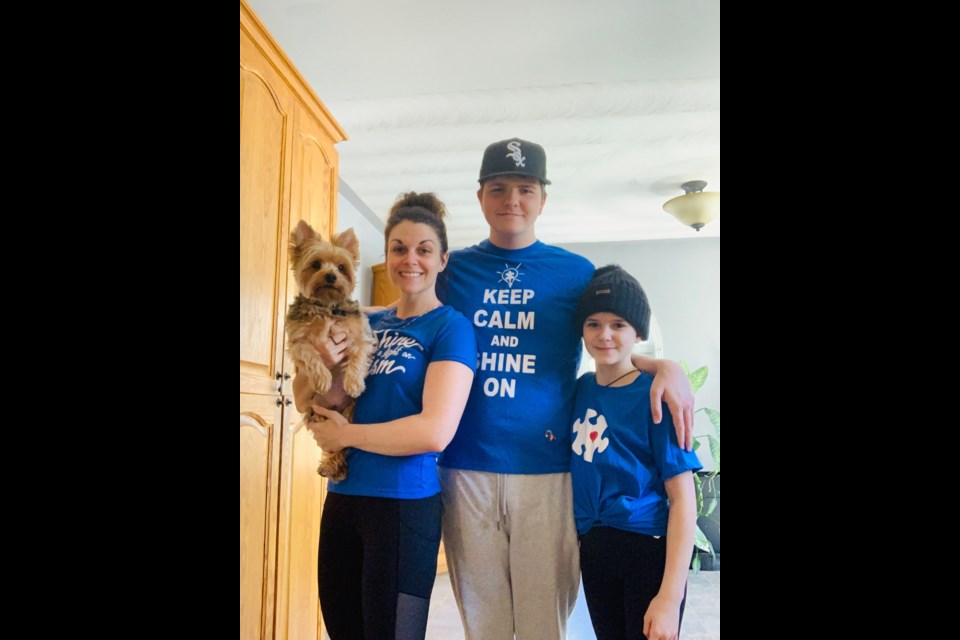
(706,482)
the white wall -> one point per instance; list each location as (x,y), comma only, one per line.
(352,212)
(682,281)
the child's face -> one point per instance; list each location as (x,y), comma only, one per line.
(608,337)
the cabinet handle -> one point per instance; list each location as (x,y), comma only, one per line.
(279,375)
(288,402)
(286,376)
(279,402)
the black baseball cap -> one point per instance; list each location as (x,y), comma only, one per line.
(514,156)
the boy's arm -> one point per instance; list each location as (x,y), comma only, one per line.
(670,384)
(662,619)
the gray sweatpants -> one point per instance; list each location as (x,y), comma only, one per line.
(511,547)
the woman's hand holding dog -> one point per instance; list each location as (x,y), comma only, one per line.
(327,433)
(333,346)
(332,350)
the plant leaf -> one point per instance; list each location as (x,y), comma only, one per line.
(686,369)
(715,451)
(700,540)
(714,416)
(697,378)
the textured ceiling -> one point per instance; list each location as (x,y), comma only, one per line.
(623,94)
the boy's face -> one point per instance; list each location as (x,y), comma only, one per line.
(511,206)
(608,337)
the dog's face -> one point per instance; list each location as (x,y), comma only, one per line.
(324,270)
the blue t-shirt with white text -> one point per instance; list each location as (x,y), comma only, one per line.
(521,303)
(398,370)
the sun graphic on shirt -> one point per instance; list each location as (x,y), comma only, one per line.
(510,274)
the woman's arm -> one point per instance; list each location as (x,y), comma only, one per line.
(445,393)
(662,618)
(671,384)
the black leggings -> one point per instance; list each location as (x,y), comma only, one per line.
(622,572)
(376,566)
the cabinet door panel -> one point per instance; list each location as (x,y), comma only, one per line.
(313,175)
(264,205)
(302,492)
(313,191)
(259,477)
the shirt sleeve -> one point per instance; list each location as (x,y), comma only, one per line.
(456,341)
(671,459)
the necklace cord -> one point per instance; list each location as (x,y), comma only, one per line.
(620,378)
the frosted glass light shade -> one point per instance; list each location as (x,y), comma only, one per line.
(694,208)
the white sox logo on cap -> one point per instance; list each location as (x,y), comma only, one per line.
(514,148)
(514,157)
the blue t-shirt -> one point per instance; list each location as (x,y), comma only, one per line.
(398,370)
(622,458)
(521,303)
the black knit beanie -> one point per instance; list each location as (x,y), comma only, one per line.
(613,290)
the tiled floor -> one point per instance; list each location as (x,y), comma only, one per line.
(701,618)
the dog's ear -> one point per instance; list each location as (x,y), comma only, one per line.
(299,237)
(302,233)
(348,240)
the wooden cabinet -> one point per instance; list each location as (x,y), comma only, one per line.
(382,292)
(288,172)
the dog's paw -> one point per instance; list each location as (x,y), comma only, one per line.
(353,385)
(334,466)
(321,379)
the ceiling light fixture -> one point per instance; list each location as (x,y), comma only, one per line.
(695,208)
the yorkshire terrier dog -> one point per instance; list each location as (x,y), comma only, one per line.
(326,276)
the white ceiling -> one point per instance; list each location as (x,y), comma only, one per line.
(624,95)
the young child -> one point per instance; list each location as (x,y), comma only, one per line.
(633,494)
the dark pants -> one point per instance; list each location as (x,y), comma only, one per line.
(377,565)
(622,572)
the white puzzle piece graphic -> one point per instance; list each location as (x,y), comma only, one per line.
(590,436)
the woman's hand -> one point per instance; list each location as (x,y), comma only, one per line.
(328,431)
(332,345)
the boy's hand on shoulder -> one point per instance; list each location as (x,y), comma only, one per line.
(672,386)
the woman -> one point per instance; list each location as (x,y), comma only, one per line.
(380,530)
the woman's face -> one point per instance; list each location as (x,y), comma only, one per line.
(414,257)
